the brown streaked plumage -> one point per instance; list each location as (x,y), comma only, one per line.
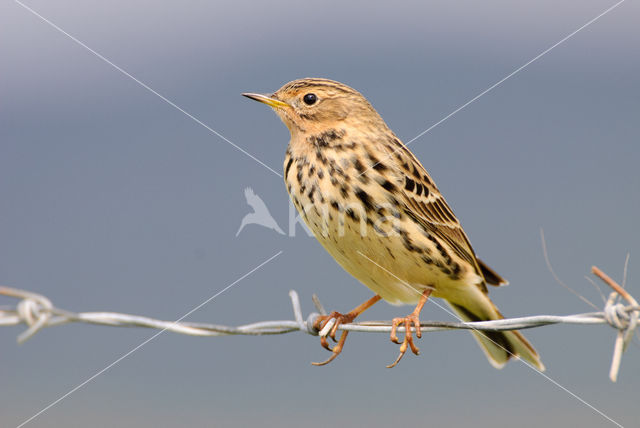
(376,210)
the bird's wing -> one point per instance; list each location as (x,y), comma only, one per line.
(249,194)
(254,200)
(426,206)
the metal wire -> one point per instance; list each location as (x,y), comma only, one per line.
(37,312)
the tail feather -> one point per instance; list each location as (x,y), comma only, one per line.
(498,346)
(490,275)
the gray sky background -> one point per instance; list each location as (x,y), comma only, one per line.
(113,200)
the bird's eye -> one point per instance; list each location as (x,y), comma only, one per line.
(310,99)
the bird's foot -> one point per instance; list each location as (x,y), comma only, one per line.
(322,321)
(338,319)
(413,318)
(408,336)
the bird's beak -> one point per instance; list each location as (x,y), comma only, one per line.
(270,101)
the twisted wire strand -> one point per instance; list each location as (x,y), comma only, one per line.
(37,312)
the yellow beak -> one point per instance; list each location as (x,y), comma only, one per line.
(271,102)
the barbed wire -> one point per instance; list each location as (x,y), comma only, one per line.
(37,312)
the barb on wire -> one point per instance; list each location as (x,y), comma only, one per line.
(37,312)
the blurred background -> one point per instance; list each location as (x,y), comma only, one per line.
(112,199)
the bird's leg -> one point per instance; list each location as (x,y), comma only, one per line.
(413,318)
(339,318)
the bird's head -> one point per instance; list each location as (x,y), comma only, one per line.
(314,105)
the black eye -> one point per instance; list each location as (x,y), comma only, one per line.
(310,99)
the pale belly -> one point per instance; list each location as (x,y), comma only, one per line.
(381,259)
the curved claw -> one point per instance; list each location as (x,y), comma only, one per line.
(325,344)
(335,351)
(331,358)
(392,365)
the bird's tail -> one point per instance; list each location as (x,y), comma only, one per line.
(499,346)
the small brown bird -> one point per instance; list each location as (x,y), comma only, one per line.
(376,210)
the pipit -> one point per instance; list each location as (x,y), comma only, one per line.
(376,210)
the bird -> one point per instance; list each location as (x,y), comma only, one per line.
(260,214)
(373,206)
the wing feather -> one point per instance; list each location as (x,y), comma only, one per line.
(427,207)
